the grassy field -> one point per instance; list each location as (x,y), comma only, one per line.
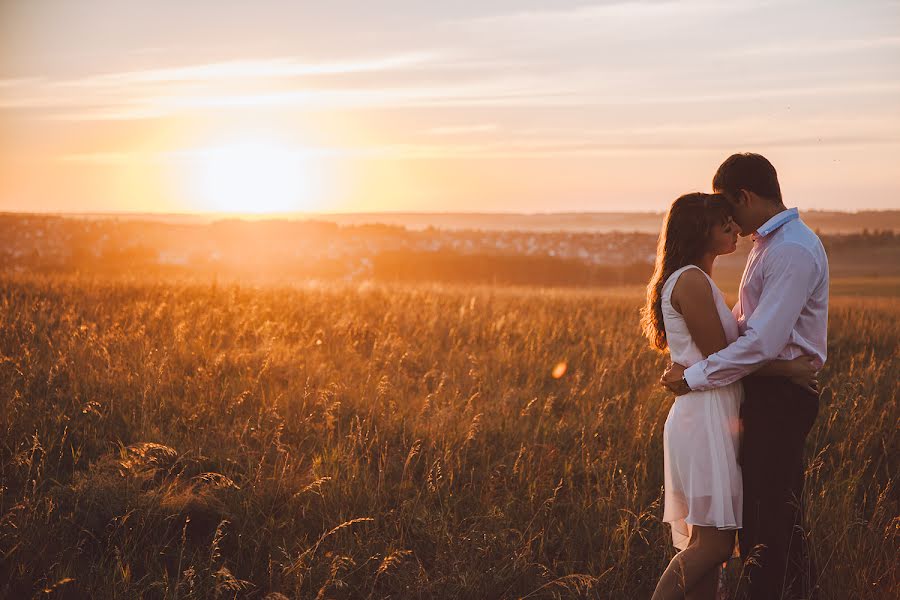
(167,440)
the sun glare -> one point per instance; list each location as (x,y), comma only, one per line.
(252,176)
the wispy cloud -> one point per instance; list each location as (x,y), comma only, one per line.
(817,47)
(124,101)
(583,17)
(550,142)
(514,92)
(109,158)
(494,71)
(274,68)
(462,129)
(272,83)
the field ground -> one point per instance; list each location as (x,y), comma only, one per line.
(866,286)
(169,440)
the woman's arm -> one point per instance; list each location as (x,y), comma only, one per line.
(800,370)
(787,368)
(692,296)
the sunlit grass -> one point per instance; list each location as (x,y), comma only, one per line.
(173,440)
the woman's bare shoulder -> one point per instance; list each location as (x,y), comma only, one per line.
(692,286)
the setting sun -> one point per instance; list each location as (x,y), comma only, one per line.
(252,175)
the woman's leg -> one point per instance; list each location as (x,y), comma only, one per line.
(706,588)
(709,547)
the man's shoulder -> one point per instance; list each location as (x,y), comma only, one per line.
(800,225)
(799,233)
(797,243)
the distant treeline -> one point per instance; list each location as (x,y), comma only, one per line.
(505,269)
(866,238)
(389,266)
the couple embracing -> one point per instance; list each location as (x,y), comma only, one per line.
(745,381)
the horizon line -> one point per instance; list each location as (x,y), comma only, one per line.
(313,214)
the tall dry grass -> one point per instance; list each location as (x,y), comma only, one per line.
(185,441)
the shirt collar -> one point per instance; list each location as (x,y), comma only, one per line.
(775,222)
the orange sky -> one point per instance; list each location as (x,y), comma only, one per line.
(526,106)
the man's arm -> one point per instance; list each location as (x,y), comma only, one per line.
(790,271)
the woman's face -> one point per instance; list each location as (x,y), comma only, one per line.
(723,238)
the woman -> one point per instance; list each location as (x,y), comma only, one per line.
(686,314)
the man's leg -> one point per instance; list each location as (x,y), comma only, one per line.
(777,417)
(800,571)
(753,469)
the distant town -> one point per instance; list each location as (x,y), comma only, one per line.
(265,250)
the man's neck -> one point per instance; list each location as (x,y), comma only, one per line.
(770,212)
(774,210)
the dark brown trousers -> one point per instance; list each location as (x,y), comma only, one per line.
(777,416)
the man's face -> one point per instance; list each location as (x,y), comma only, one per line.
(743,215)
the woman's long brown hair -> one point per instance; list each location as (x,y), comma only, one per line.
(683,240)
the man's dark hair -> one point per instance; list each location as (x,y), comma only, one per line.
(747,171)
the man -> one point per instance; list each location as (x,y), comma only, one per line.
(782,313)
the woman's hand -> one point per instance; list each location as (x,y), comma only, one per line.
(802,372)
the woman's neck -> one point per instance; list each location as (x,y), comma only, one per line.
(706,263)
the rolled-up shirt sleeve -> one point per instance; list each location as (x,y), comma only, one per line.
(789,273)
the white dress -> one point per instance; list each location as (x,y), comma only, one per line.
(700,440)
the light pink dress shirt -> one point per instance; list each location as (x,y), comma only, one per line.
(782,310)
